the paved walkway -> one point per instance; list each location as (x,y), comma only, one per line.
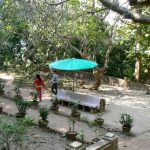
(119,100)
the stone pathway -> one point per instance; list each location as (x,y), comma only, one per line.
(119,100)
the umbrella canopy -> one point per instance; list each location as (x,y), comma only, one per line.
(73,64)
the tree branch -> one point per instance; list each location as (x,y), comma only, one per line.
(139,2)
(56,4)
(136,17)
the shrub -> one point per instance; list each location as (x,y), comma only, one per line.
(22,105)
(126,120)
(11,133)
(74,107)
(44,111)
(55,102)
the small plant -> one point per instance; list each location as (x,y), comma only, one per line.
(34,97)
(43,122)
(74,110)
(80,136)
(18,93)
(96,129)
(55,102)
(98,119)
(71,134)
(126,120)
(72,120)
(22,105)
(28,121)
(11,133)
(44,111)
(74,107)
(54,107)
(99,115)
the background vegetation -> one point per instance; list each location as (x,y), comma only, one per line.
(35,33)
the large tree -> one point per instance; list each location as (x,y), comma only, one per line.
(128,13)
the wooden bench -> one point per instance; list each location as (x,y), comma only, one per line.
(91,101)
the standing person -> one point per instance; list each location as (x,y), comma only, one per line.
(39,84)
(54,82)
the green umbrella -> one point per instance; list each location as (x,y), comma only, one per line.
(72,65)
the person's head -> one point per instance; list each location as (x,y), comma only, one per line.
(38,77)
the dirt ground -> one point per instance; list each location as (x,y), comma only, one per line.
(119,100)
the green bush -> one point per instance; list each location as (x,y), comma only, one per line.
(126,120)
(27,121)
(44,111)
(11,133)
(34,96)
(22,105)
(74,107)
(55,101)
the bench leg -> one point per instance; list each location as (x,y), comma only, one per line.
(102,105)
(62,103)
(93,110)
(83,108)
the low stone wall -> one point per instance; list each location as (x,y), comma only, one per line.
(106,80)
(124,83)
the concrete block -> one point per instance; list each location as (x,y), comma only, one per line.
(75,146)
(113,139)
(100,145)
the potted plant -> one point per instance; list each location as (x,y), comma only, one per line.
(74,112)
(2,85)
(127,122)
(55,105)
(43,122)
(18,93)
(99,120)
(71,134)
(22,106)
(96,129)
(35,97)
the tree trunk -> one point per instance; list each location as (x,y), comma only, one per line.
(97,72)
(138,68)
(148,71)
(97,75)
(137,72)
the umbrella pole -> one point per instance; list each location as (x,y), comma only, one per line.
(73,84)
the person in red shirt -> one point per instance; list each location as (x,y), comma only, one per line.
(39,84)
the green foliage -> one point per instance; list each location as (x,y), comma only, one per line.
(96,129)
(55,101)
(11,132)
(60,83)
(72,121)
(80,136)
(27,121)
(126,120)
(18,94)
(74,107)
(22,105)
(99,115)
(44,111)
(29,41)
(34,96)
